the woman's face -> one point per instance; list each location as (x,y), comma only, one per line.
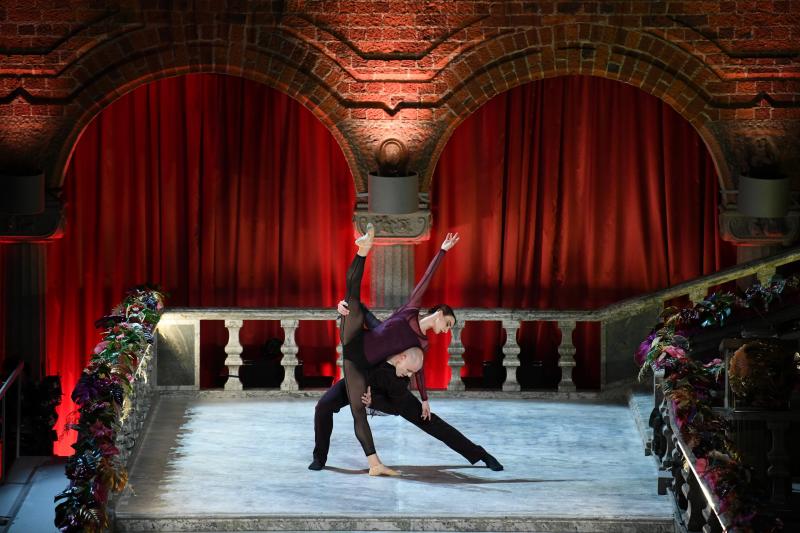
(442,323)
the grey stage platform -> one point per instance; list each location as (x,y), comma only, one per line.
(240,465)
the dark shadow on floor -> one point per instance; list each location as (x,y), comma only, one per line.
(445,475)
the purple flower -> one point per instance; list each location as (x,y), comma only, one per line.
(100,431)
(641,353)
(108,449)
(675,352)
(85,389)
(101,346)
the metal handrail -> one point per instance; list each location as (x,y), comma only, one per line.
(711,499)
(10,380)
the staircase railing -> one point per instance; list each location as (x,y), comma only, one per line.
(698,507)
(10,381)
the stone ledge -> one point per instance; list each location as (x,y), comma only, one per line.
(396,523)
(551,395)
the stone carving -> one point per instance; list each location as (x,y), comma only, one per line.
(738,228)
(395,229)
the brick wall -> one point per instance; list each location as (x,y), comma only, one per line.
(372,69)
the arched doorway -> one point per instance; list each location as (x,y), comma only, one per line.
(224,191)
(571,193)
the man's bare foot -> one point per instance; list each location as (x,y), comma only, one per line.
(364,242)
(382,470)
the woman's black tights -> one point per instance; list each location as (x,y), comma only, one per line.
(355,379)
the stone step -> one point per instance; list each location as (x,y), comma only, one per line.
(535,524)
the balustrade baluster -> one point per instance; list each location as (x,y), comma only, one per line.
(566,352)
(456,360)
(234,351)
(511,351)
(289,349)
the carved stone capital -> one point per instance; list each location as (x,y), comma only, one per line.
(748,231)
(44,226)
(395,229)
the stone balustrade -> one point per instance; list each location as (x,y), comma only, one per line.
(136,406)
(622,326)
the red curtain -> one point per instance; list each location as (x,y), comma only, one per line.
(570,193)
(223,191)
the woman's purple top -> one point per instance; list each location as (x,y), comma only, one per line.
(401,330)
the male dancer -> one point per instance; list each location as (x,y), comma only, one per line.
(388,392)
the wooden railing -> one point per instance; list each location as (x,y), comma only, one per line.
(622,324)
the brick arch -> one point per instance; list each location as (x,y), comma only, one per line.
(656,66)
(305,85)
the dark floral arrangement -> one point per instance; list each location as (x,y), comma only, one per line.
(95,468)
(677,325)
(761,374)
(690,386)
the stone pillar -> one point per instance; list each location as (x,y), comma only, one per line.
(24,286)
(392,276)
(392,257)
(756,214)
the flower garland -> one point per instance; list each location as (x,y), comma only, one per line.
(101,394)
(690,385)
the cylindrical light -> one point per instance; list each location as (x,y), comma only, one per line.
(393,190)
(393,195)
(764,198)
(22,194)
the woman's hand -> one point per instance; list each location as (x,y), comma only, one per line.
(342,308)
(366,398)
(426,410)
(450,241)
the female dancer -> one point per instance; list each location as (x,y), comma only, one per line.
(401,331)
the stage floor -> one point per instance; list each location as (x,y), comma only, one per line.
(241,464)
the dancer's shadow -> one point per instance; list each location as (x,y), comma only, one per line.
(446,475)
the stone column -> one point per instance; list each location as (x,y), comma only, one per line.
(392,276)
(756,215)
(24,286)
(29,216)
(392,257)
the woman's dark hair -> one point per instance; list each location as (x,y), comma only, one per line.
(445,309)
